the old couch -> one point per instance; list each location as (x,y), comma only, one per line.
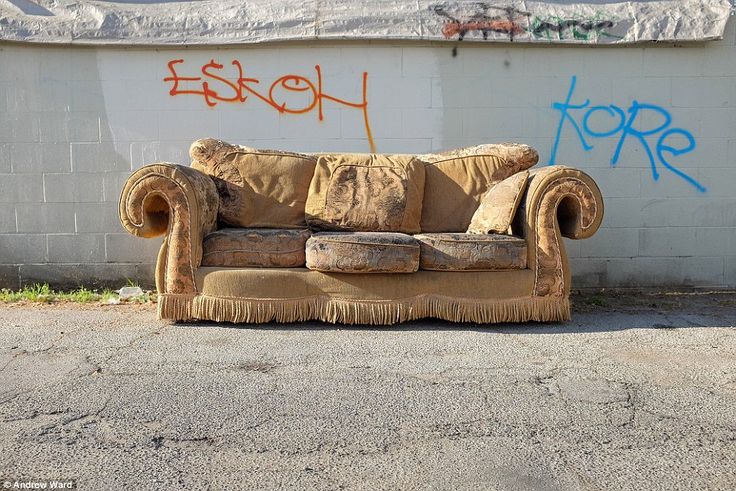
(261,235)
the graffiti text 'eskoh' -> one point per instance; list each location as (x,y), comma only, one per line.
(215,86)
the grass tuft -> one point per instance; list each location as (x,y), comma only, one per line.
(42,293)
(596,300)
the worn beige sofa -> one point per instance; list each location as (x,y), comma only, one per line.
(471,235)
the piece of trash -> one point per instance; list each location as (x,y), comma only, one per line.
(112,301)
(129,292)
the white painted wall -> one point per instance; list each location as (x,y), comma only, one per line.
(74,122)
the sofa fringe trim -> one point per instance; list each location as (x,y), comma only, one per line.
(340,311)
(175,307)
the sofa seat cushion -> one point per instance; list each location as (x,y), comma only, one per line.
(255,247)
(470,252)
(362,252)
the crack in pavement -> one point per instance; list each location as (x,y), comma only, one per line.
(431,406)
(98,367)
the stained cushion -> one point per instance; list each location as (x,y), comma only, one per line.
(456,181)
(469,252)
(498,206)
(255,247)
(362,252)
(257,188)
(366,192)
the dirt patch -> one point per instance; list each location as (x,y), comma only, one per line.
(652,301)
(132,306)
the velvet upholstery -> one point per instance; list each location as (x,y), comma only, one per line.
(560,201)
(180,202)
(498,206)
(456,180)
(185,203)
(469,252)
(362,252)
(255,247)
(258,188)
(366,193)
(300,294)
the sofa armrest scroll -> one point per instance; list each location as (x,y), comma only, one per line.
(560,202)
(180,202)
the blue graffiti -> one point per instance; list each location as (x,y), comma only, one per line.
(625,125)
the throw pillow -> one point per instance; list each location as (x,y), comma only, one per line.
(498,206)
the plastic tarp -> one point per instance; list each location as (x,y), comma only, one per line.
(227,22)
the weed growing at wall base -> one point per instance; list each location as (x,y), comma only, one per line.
(42,293)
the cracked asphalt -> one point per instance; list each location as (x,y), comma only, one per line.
(637,392)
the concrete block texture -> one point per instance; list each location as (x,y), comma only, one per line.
(95,217)
(101,156)
(10,276)
(21,188)
(76,248)
(730,270)
(8,222)
(22,248)
(64,127)
(95,275)
(50,218)
(5,166)
(77,187)
(654,125)
(123,247)
(38,158)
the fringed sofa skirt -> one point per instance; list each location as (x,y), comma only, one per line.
(258,295)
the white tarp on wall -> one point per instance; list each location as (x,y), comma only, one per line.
(212,22)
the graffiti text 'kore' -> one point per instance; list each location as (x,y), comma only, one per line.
(625,123)
(214,87)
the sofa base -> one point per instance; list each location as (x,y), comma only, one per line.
(340,311)
(259,295)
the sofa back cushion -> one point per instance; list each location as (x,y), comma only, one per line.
(366,192)
(258,188)
(456,180)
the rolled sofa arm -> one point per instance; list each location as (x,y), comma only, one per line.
(560,201)
(180,202)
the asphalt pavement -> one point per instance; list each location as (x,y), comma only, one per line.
(635,393)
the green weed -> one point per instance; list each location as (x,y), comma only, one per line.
(596,300)
(42,293)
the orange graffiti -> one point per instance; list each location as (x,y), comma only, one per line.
(451,29)
(215,88)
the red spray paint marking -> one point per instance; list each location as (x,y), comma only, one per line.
(454,28)
(239,90)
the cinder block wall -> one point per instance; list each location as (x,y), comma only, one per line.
(75,121)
